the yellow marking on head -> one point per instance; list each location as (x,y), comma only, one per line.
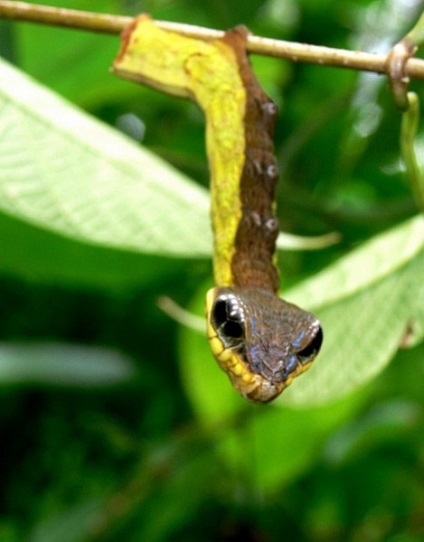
(210,298)
(247,377)
(238,369)
(216,346)
(226,356)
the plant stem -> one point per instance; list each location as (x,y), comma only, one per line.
(296,52)
(409,128)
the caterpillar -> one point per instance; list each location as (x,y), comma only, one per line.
(261,341)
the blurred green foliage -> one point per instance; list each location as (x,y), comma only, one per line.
(115,421)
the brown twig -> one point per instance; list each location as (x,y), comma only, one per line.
(297,52)
(71,18)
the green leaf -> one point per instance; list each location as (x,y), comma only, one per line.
(35,253)
(386,421)
(62,365)
(369,264)
(284,442)
(66,172)
(367,301)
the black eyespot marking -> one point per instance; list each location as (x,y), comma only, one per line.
(233,329)
(311,349)
(228,320)
(219,313)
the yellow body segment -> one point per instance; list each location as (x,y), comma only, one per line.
(207,73)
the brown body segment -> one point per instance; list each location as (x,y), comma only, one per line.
(253,262)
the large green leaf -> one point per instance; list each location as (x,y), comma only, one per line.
(283,442)
(64,171)
(369,264)
(368,302)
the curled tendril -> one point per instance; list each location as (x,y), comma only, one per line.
(396,71)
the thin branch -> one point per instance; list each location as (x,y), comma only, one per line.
(297,52)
